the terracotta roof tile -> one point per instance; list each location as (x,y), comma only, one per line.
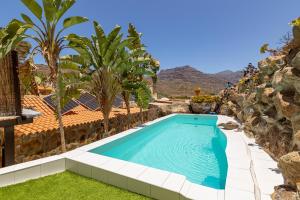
(47,121)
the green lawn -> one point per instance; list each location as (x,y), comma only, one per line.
(65,186)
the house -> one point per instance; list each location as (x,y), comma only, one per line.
(81,125)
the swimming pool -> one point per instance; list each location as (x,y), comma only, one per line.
(190,145)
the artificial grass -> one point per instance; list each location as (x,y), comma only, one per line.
(65,186)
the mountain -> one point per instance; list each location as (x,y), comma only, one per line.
(181,81)
(229,75)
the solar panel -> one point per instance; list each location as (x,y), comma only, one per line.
(50,101)
(85,97)
(118,101)
(69,106)
(89,101)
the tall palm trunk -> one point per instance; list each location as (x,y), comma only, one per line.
(59,116)
(141,114)
(54,65)
(154,82)
(106,119)
(106,122)
(126,98)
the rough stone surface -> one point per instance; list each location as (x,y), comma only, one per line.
(169,108)
(203,108)
(290,167)
(225,110)
(284,192)
(296,140)
(229,125)
(296,61)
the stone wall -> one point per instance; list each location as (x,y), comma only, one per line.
(203,108)
(169,108)
(35,146)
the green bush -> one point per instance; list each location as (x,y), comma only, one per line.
(205,99)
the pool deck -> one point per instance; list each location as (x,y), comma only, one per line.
(252,174)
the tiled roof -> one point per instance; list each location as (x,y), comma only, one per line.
(47,121)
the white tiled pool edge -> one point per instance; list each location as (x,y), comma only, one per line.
(248,171)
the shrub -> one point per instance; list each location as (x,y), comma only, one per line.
(205,99)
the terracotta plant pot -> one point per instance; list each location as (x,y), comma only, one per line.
(197,91)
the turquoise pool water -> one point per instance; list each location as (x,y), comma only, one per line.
(190,145)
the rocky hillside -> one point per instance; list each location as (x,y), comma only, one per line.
(181,81)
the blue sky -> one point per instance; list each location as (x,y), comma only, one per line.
(211,35)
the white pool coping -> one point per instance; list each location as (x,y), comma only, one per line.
(252,174)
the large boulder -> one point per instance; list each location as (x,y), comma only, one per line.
(236,97)
(169,108)
(296,61)
(295,120)
(229,125)
(296,140)
(225,110)
(267,95)
(203,108)
(289,165)
(287,79)
(285,104)
(285,192)
(234,107)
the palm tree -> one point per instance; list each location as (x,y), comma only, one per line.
(49,42)
(143,97)
(105,55)
(130,79)
(132,74)
(139,64)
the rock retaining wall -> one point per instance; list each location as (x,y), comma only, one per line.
(268,104)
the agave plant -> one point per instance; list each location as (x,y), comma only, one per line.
(105,56)
(49,40)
